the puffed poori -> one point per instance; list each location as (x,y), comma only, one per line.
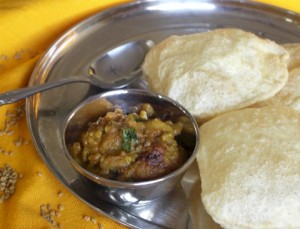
(289,95)
(249,163)
(217,71)
(294,52)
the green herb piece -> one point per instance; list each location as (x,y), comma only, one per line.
(138,119)
(129,138)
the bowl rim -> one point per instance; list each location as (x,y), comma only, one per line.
(129,184)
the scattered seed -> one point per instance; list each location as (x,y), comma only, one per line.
(60,207)
(8,178)
(93,220)
(60,193)
(5,152)
(49,214)
(3,57)
(18,142)
(43,207)
(12,118)
(52,213)
(87,218)
(39,173)
(9,132)
(19,55)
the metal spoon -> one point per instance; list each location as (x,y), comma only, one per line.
(115,69)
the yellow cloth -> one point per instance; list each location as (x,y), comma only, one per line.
(27,28)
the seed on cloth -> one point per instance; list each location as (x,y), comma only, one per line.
(12,118)
(92,219)
(60,193)
(60,207)
(49,214)
(8,181)
(87,218)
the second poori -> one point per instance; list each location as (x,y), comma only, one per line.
(249,163)
(289,95)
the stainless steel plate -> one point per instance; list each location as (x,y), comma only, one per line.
(71,54)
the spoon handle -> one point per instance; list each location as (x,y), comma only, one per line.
(16,95)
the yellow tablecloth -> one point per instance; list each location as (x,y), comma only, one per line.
(27,28)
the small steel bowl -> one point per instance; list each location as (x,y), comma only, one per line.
(129,193)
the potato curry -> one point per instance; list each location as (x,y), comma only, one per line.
(130,147)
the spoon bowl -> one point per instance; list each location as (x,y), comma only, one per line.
(115,69)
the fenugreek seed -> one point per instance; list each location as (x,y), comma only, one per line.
(53,222)
(11,122)
(59,193)
(17,143)
(20,175)
(39,173)
(10,114)
(87,218)
(26,142)
(11,181)
(3,178)
(100,226)
(52,213)
(59,225)
(58,213)
(61,207)
(93,220)
(9,132)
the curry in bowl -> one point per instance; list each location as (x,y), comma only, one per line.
(130,147)
(133,144)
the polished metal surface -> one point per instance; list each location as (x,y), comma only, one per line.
(154,20)
(117,68)
(166,109)
(121,66)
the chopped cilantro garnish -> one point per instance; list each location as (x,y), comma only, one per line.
(138,119)
(129,138)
